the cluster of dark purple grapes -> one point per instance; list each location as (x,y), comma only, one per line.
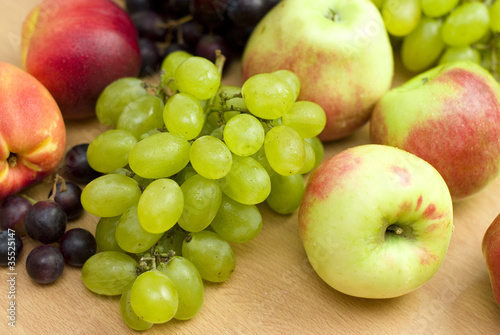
(46,221)
(197,26)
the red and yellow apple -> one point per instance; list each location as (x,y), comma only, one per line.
(450,117)
(32,131)
(339,49)
(491,253)
(76,48)
(376,221)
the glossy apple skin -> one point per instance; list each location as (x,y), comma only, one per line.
(343,66)
(450,117)
(352,204)
(491,253)
(32,131)
(76,48)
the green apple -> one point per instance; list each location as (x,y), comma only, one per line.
(450,117)
(376,221)
(339,49)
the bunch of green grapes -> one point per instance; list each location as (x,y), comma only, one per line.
(431,32)
(184,167)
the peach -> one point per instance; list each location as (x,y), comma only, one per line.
(32,131)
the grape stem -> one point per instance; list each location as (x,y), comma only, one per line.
(58,179)
(153,259)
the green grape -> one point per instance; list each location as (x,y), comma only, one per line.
(260,157)
(228,115)
(244,135)
(494,12)
(378,3)
(319,150)
(306,117)
(467,24)
(401,17)
(217,133)
(309,160)
(105,234)
(212,122)
(199,77)
(286,193)
(149,133)
(131,236)
(236,222)
(183,115)
(202,198)
(211,255)
(153,297)
(159,156)
(247,181)
(229,96)
(129,316)
(184,174)
(169,65)
(423,46)
(109,272)
(171,241)
(437,8)
(189,285)
(109,150)
(466,53)
(266,96)
(116,96)
(284,150)
(110,195)
(210,157)
(160,205)
(142,115)
(291,79)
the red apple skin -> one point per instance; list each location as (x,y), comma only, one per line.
(453,122)
(491,253)
(32,131)
(76,48)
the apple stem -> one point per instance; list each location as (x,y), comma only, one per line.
(395,229)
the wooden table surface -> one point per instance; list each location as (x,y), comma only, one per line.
(273,290)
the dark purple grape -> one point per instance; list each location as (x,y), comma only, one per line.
(46,221)
(150,25)
(236,37)
(209,12)
(69,199)
(45,264)
(151,57)
(207,46)
(174,8)
(13,212)
(77,166)
(77,245)
(134,6)
(11,246)
(192,31)
(247,13)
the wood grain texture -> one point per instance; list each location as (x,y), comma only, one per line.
(273,289)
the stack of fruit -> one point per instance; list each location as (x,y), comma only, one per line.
(196,26)
(430,32)
(183,170)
